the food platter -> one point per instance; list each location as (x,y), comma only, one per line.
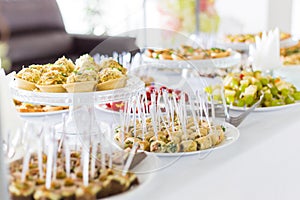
(134,84)
(41,114)
(232,60)
(240,46)
(231,135)
(267,109)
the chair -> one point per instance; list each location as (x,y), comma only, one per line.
(37,34)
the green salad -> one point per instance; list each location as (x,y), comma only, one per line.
(245,88)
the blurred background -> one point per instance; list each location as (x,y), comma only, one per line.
(23,21)
(224,16)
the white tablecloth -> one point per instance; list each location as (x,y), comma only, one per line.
(263,164)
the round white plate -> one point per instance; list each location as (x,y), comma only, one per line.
(231,135)
(40,114)
(240,46)
(232,60)
(267,109)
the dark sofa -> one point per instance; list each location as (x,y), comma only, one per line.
(37,34)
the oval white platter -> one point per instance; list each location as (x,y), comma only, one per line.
(266,109)
(232,60)
(231,135)
(240,46)
(40,114)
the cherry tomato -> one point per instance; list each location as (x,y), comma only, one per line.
(177,92)
(117,106)
(242,76)
(151,89)
(163,88)
(169,90)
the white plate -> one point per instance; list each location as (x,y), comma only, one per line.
(232,60)
(267,109)
(240,46)
(145,171)
(231,135)
(40,114)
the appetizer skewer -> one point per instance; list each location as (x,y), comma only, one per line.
(172,131)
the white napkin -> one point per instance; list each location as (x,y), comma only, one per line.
(266,53)
(10,120)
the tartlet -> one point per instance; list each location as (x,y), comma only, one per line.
(88,86)
(51,88)
(23,84)
(112,84)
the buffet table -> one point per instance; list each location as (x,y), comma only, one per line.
(262,164)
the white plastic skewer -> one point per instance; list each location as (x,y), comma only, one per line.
(63,132)
(134,116)
(224,101)
(183,115)
(138,106)
(153,102)
(143,118)
(194,114)
(67,157)
(55,150)
(122,128)
(153,120)
(40,159)
(26,160)
(129,159)
(102,149)
(86,160)
(165,98)
(175,103)
(146,102)
(172,114)
(167,129)
(49,163)
(128,113)
(200,105)
(158,117)
(93,156)
(213,116)
(206,113)
(158,111)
